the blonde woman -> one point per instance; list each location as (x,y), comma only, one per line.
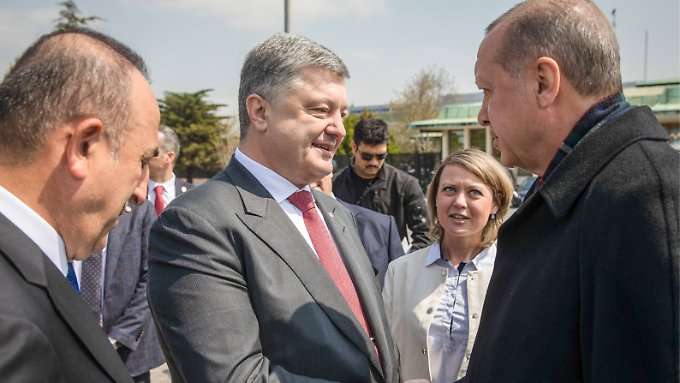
(434,296)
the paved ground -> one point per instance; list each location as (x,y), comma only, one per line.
(160,375)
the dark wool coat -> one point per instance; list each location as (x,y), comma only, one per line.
(585,287)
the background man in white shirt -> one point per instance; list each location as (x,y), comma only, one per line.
(78,125)
(163,185)
(245,285)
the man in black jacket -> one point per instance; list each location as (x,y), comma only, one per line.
(371,183)
(585,285)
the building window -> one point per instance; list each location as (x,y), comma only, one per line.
(478,139)
(456,140)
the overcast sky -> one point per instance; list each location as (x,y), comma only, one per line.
(195,44)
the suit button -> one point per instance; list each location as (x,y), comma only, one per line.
(474,315)
(429,310)
(424,350)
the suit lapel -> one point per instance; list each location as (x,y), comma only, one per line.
(264,217)
(36,268)
(74,311)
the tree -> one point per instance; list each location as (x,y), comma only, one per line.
(69,16)
(421,99)
(203,134)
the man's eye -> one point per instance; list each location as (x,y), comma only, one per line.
(320,110)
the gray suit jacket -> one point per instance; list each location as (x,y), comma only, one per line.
(47,332)
(125,309)
(238,295)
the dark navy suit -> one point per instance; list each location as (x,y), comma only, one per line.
(125,309)
(380,237)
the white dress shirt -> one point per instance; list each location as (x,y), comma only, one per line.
(449,329)
(169,192)
(280,189)
(35,228)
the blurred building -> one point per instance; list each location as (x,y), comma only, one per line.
(456,126)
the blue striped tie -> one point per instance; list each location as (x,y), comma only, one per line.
(71,276)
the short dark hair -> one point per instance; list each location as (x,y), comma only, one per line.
(575,33)
(64,75)
(370,131)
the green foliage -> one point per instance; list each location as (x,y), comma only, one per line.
(203,134)
(69,17)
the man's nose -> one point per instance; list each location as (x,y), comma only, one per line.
(139,194)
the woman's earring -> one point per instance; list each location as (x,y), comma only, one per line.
(492,216)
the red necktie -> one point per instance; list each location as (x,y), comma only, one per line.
(159,204)
(328,253)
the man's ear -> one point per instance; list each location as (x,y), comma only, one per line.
(85,137)
(354,147)
(171,157)
(548,81)
(257,108)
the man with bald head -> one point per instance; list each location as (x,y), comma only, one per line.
(585,286)
(78,125)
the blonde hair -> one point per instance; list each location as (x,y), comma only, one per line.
(494,176)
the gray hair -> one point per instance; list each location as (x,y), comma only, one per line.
(169,141)
(65,75)
(575,33)
(274,64)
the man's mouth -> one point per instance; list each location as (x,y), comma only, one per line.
(323,146)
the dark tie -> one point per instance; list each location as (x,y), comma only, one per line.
(159,204)
(91,283)
(328,253)
(71,276)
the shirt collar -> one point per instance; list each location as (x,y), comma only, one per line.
(167,185)
(484,259)
(279,187)
(35,228)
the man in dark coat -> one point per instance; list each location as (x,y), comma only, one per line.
(78,125)
(585,286)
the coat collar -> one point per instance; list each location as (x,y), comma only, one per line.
(574,173)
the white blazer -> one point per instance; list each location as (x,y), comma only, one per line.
(412,293)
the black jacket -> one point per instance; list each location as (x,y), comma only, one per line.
(47,332)
(585,285)
(393,192)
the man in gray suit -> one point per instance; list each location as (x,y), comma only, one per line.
(254,278)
